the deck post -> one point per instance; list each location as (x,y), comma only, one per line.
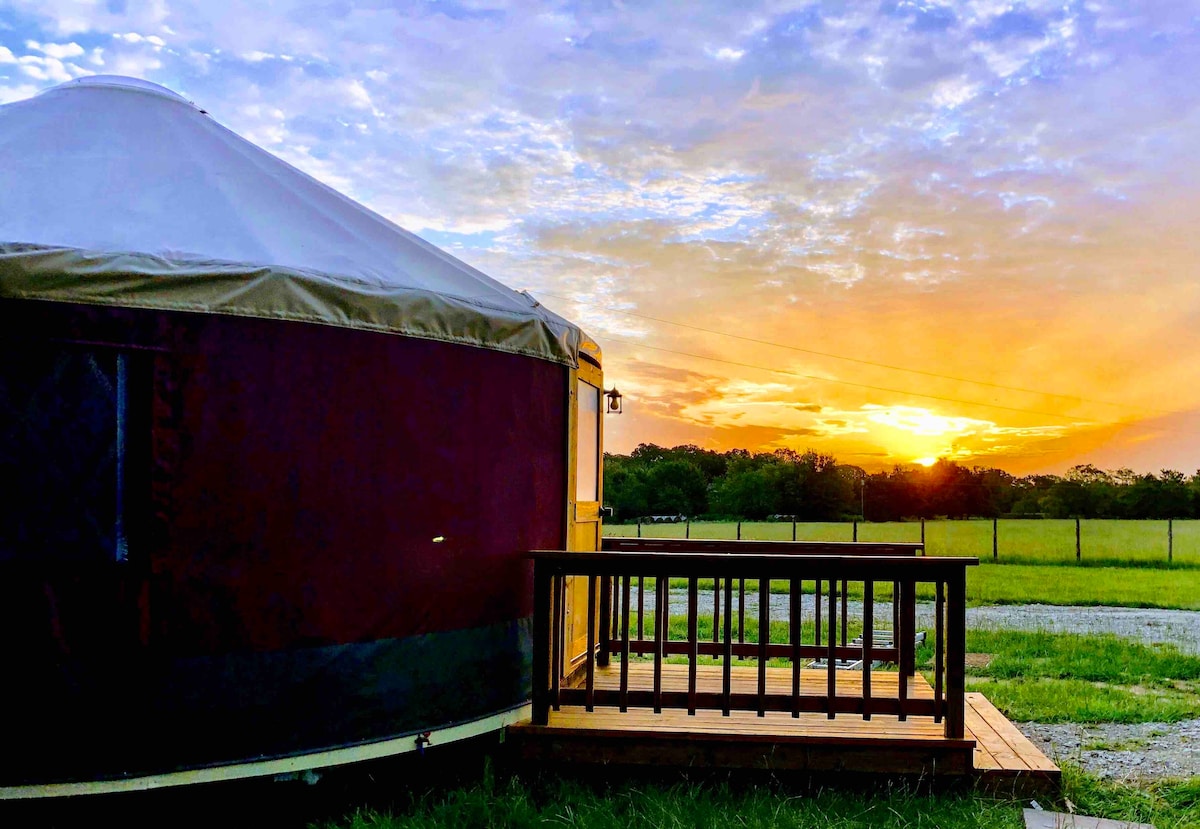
(541,643)
(956,653)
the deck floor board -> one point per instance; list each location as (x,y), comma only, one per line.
(995,750)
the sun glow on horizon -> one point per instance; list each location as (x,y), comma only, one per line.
(925,461)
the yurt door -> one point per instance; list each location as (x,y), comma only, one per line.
(585,489)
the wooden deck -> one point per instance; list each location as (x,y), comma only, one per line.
(993,750)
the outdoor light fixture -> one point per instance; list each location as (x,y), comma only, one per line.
(614,400)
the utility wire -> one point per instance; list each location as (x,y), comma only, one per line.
(871,363)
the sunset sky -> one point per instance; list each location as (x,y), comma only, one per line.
(890,231)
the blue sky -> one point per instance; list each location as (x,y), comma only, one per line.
(988,207)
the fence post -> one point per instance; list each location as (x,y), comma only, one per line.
(1078,549)
(793,528)
(923,550)
(995,541)
(687,529)
(739,538)
(639,528)
(1170,539)
(855,531)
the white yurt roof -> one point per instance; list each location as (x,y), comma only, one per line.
(117,191)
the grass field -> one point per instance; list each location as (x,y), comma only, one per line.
(1030,541)
(552,801)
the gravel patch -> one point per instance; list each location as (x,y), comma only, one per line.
(1146,751)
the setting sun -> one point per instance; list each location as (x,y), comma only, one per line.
(925,461)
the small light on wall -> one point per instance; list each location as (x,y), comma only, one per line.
(614,400)
(438,539)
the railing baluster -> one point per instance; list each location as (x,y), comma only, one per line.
(868,643)
(727,671)
(895,614)
(795,626)
(641,607)
(741,613)
(660,636)
(605,620)
(908,615)
(832,672)
(590,664)
(624,691)
(817,611)
(666,609)
(693,641)
(556,660)
(904,642)
(764,639)
(845,612)
(717,609)
(939,664)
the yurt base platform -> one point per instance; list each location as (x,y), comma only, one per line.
(992,752)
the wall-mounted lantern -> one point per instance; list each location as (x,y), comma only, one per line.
(614,400)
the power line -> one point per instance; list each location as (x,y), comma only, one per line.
(873,363)
(859,385)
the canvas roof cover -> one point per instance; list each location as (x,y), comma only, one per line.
(117,191)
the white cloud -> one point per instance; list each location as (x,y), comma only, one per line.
(726,54)
(61,51)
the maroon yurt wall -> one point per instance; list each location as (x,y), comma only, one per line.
(325,533)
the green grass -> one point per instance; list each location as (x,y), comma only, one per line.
(1019,541)
(1116,586)
(1094,658)
(525,803)
(1065,677)
(1073,700)
(547,801)
(1166,805)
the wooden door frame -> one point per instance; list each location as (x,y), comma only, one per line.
(581,513)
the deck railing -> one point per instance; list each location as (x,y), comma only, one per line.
(624,622)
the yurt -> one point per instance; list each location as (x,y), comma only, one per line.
(270,465)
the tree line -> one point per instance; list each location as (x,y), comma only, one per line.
(813,486)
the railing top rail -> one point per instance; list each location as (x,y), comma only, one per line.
(753,565)
(812,548)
